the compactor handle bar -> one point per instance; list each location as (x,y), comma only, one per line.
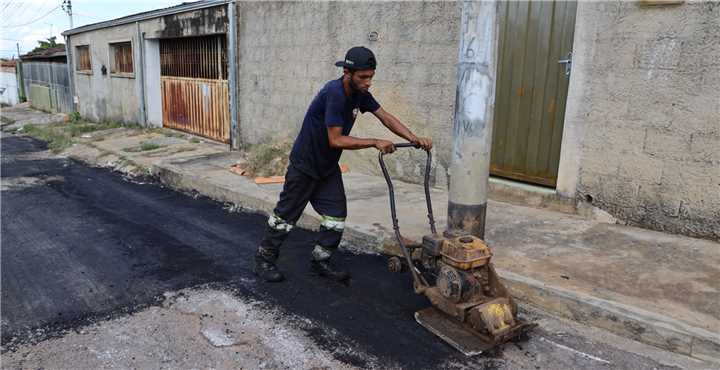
(420,282)
(428,201)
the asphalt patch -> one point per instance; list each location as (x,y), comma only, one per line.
(96,245)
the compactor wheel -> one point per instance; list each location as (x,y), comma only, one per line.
(395,264)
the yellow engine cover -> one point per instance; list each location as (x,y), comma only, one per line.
(465,252)
(495,317)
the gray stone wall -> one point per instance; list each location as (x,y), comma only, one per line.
(287,52)
(642,130)
(650,106)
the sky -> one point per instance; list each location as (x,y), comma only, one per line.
(27,21)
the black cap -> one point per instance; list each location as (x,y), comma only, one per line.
(358,57)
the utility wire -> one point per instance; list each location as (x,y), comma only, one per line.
(40,8)
(22,13)
(13,10)
(6,5)
(34,20)
(9,9)
(86,15)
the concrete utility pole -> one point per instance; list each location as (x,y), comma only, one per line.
(474,110)
(67,7)
(235,137)
(20,78)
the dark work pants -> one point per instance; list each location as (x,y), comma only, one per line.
(327,197)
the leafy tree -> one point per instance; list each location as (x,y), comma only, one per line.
(47,44)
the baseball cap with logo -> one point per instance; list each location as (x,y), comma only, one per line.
(358,57)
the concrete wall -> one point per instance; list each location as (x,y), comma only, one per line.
(206,21)
(153,93)
(8,86)
(107,96)
(287,52)
(642,129)
(120,97)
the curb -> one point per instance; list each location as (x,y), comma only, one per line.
(627,321)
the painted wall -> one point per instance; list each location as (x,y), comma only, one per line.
(287,52)
(8,86)
(107,97)
(120,97)
(153,93)
(642,129)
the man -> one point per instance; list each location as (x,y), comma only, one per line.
(314,175)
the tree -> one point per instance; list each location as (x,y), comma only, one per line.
(47,44)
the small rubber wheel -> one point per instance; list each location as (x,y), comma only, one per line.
(395,264)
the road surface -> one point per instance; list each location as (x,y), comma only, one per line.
(85,249)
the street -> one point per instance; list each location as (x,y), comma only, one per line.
(85,250)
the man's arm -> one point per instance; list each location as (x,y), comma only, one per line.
(393,124)
(339,141)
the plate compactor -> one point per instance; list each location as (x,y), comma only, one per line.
(471,309)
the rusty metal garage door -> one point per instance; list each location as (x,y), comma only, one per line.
(194,86)
(531,89)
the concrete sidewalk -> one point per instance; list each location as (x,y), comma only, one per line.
(656,288)
(21,114)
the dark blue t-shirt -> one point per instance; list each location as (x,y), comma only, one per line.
(311,152)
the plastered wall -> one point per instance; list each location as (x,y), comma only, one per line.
(642,130)
(287,52)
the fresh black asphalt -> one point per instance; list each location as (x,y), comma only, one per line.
(88,244)
(81,245)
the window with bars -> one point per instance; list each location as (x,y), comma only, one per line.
(122,57)
(194,57)
(83,58)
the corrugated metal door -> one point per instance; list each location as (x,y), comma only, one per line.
(531,89)
(47,86)
(194,86)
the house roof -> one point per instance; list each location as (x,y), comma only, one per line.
(50,53)
(183,7)
(8,63)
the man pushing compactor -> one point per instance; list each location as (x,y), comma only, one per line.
(314,175)
(470,307)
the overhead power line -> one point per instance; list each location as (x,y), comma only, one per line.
(27,11)
(6,5)
(34,20)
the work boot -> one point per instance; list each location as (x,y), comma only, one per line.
(326,269)
(268,271)
(265,266)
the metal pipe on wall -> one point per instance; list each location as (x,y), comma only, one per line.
(474,110)
(232,76)
(141,72)
(70,60)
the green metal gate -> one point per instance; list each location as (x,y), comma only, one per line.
(532,84)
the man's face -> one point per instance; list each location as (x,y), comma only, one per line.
(361,80)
